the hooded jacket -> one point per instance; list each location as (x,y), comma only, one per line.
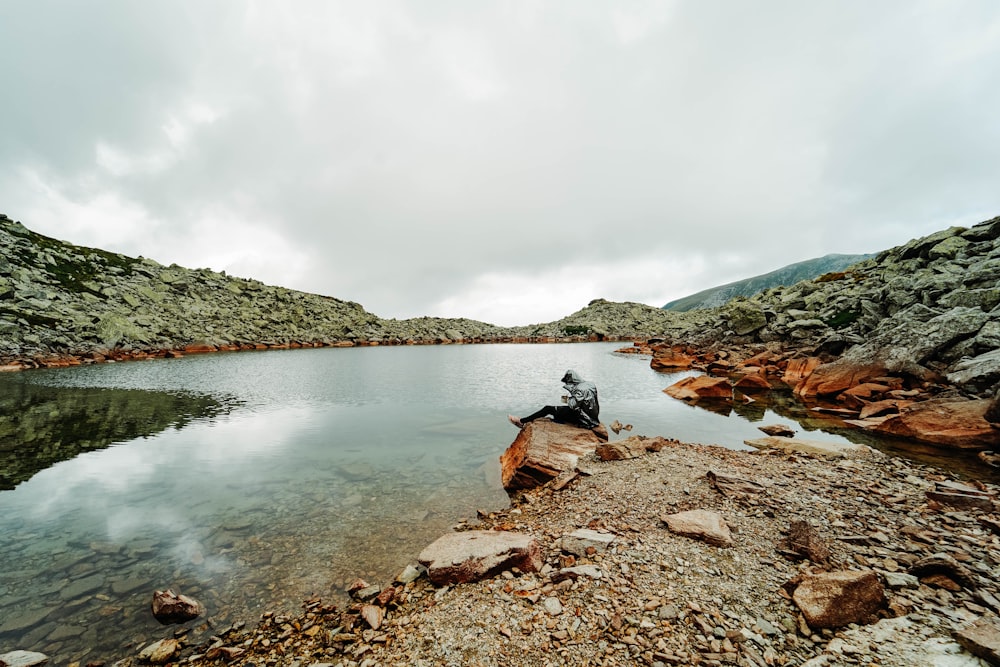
(582,399)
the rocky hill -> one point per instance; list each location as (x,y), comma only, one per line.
(927,309)
(786,275)
(59,300)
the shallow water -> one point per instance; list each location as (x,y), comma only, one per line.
(253,481)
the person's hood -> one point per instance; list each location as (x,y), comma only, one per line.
(571,377)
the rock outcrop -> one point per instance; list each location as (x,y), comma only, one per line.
(542,450)
(905,344)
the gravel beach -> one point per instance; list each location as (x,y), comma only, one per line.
(645,595)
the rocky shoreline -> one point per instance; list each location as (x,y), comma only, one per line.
(617,582)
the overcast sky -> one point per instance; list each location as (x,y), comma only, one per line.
(503,161)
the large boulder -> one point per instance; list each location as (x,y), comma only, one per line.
(836,599)
(541,451)
(952,422)
(472,555)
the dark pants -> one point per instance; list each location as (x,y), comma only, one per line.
(561,413)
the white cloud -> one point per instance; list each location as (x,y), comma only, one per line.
(425,159)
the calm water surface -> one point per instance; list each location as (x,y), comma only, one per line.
(253,481)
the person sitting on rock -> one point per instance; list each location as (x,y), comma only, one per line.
(581,407)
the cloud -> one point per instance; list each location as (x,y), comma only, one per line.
(458,158)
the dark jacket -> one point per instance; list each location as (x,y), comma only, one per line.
(582,399)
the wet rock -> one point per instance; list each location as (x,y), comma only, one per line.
(82,587)
(541,451)
(668,358)
(836,599)
(701,525)
(23,659)
(778,430)
(21,621)
(169,607)
(701,387)
(752,384)
(472,555)
(160,652)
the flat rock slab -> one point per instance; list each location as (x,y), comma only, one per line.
(836,599)
(982,639)
(817,447)
(458,558)
(701,525)
(542,450)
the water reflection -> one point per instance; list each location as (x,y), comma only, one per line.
(40,426)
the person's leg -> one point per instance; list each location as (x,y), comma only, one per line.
(548,410)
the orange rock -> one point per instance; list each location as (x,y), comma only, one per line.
(752,383)
(867,389)
(670,358)
(199,348)
(798,369)
(542,450)
(835,377)
(951,422)
(699,387)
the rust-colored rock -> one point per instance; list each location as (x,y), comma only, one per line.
(541,451)
(951,422)
(666,358)
(836,599)
(199,348)
(701,387)
(835,377)
(798,369)
(752,384)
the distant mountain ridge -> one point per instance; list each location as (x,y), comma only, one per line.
(787,275)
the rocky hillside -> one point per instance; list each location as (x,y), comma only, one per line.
(786,275)
(927,310)
(60,299)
